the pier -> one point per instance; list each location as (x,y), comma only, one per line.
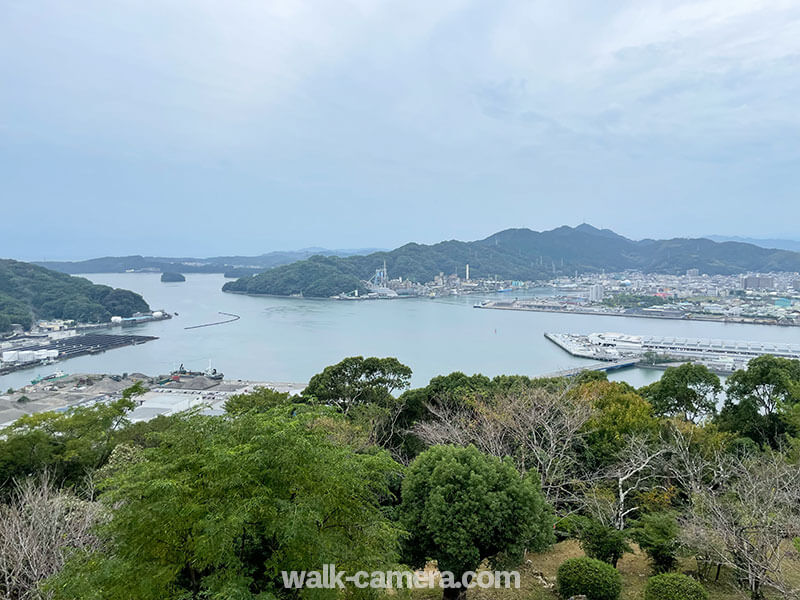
(70,347)
(723,356)
(602,366)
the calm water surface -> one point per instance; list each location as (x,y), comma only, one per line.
(289,339)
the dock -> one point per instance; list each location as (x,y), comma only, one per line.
(600,367)
(716,354)
(65,348)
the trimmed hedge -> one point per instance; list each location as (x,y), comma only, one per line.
(674,586)
(593,578)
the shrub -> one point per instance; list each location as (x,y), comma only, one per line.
(593,578)
(601,541)
(657,534)
(674,586)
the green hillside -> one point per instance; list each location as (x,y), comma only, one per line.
(520,254)
(317,277)
(29,292)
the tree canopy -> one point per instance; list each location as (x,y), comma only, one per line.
(220,506)
(462,507)
(29,292)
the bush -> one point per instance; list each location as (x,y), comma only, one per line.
(657,534)
(600,541)
(674,586)
(593,578)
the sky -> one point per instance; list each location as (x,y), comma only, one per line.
(199,127)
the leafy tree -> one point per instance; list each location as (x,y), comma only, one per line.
(758,398)
(658,535)
(362,390)
(619,414)
(462,507)
(221,506)
(67,445)
(769,380)
(689,390)
(358,381)
(259,400)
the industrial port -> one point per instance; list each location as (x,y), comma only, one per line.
(723,356)
(51,341)
(166,394)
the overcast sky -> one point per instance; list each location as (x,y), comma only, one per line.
(191,127)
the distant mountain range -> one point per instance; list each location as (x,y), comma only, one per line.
(233,265)
(791,245)
(521,254)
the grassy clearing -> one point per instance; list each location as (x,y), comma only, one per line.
(634,569)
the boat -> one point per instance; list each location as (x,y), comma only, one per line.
(52,377)
(213,374)
(208,373)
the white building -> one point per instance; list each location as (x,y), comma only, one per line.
(596,292)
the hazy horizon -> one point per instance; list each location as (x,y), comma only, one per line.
(202,129)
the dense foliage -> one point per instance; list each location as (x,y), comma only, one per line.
(363,472)
(674,586)
(317,277)
(462,507)
(29,292)
(595,579)
(601,541)
(172,277)
(658,535)
(634,301)
(689,390)
(520,254)
(220,506)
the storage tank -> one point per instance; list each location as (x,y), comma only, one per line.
(116,319)
(10,356)
(27,356)
(158,314)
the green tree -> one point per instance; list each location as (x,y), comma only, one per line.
(601,541)
(689,390)
(261,399)
(67,445)
(769,380)
(462,507)
(620,414)
(222,505)
(758,398)
(658,535)
(358,381)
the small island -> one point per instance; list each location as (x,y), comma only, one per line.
(168,277)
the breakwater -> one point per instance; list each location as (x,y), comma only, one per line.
(232,316)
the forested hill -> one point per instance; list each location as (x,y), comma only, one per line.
(29,292)
(214,264)
(521,254)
